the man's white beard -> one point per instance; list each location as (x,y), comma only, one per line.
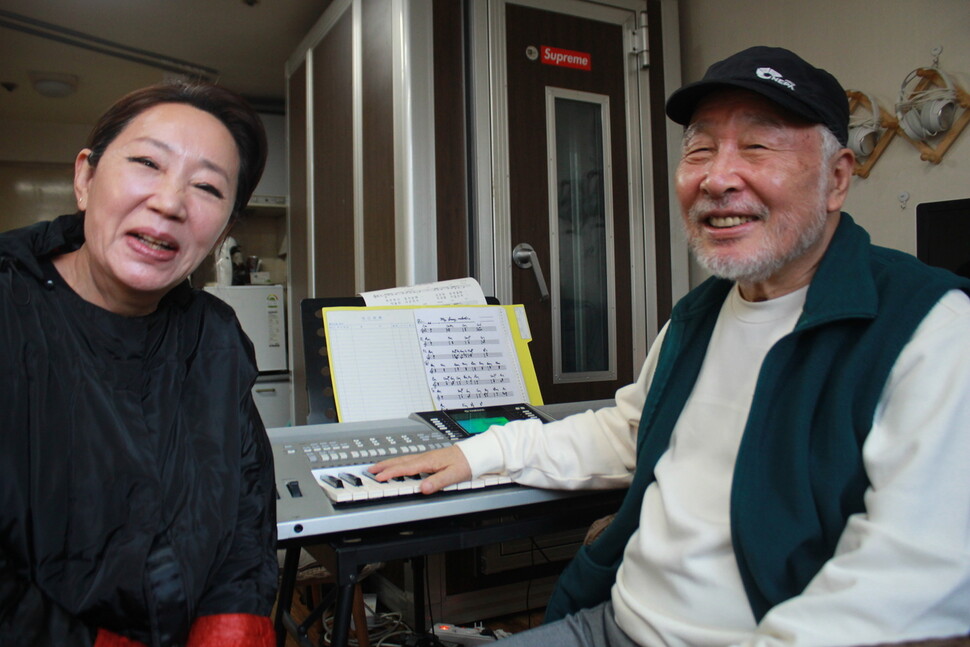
(767,260)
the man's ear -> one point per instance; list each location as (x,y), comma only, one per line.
(83,174)
(840,170)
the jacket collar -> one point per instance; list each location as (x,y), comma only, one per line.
(843,286)
(26,247)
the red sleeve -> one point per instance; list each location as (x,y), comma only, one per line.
(109,639)
(231,630)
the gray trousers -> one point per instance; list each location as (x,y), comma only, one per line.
(594,627)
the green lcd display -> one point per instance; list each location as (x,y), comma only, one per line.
(477,425)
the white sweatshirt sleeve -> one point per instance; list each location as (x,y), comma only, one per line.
(594,449)
(901,570)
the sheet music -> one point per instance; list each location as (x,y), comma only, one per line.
(465,291)
(376,364)
(389,363)
(469,357)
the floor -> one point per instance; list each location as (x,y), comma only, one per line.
(512,623)
(516,622)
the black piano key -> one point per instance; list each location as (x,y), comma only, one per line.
(351,478)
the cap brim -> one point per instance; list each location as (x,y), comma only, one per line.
(683,102)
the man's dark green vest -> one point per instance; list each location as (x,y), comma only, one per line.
(799,472)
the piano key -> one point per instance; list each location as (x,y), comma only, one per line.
(335,494)
(353,479)
(354,483)
(388,488)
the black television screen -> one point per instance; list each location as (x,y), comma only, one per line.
(943,234)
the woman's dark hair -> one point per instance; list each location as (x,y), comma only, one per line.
(226,106)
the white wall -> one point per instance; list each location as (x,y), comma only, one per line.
(35,141)
(37,170)
(869,45)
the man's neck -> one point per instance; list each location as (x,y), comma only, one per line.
(796,274)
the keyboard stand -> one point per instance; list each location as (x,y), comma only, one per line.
(419,539)
(406,527)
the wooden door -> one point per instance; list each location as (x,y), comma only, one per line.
(569,198)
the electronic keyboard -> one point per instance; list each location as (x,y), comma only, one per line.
(339,464)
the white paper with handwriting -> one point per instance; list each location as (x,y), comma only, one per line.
(465,292)
(389,363)
(469,357)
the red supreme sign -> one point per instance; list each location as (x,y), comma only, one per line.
(565,58)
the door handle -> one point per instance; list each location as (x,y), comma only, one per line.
(525,257)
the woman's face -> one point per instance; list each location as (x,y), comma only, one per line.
(155,205)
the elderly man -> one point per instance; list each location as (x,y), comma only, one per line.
(796,444)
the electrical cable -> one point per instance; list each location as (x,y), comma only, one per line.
(387,625)
(427,593)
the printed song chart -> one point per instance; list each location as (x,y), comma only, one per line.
(391,362)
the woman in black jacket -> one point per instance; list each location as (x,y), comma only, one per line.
(136,480)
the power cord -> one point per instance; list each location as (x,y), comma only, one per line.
(386,626)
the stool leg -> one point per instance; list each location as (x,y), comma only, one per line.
(316,612)
(360,618)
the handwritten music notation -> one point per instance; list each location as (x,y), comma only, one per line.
(443,379)
(457,356)
(474,397)
(450,341)
(458,346)
(458,353)
(452,325)
(470,368)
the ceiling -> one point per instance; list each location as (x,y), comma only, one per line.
(114,46)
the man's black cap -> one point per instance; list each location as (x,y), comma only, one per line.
(777,74)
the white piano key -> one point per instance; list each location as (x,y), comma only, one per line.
(357,484)
(337,495)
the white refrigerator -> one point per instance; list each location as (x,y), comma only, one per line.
(261,310)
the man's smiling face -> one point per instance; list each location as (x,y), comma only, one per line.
(753,187)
